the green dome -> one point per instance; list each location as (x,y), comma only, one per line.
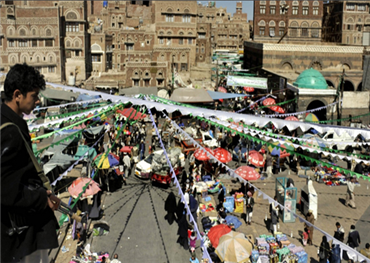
(311,79)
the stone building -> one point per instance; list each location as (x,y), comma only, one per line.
(50,36)
(289,59)
(345,21)
(292,21)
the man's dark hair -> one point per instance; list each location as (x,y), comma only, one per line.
(337,224)
(353,227)
(367,245)
(24,78)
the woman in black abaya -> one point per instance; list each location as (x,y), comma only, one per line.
(183,233)
(170,207)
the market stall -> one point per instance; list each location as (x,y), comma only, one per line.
(288,197)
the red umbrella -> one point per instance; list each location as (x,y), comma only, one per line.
(277,109)
(268,101)
(222,89)
(222,155)
(126,149)
(291,118)
(248,173)
(201,155)
(135,115)
(249,89)
(76,187)
(256,159)
(216,232)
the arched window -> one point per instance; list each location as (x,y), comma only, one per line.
(34,32)
(262,23)
(316,3)
(295,3)
(68,43)
(77,44)
(51,59)
(281,24)
(22,32)
(10,32)
(71,15)
(48,32)
(305,3)
(272,23)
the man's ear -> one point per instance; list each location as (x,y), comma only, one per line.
(17,94)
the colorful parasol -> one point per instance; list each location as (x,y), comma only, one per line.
(216,232)
(222,89)
(126,149)
(247,173)
(222,155)
(277,109)
(281,153)
(234,247)
(268,101)
(76,187)
(291,118)
(135,115)
(311,117)
(248,89)
(201,155)
(106,162)
(256,159)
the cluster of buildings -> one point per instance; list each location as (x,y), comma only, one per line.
(332,37)
(118,44)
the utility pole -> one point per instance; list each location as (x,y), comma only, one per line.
(216,73)
(340,97)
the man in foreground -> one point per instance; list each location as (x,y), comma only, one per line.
(28,224)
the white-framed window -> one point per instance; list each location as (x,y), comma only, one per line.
(361,7)
(272,31)
(72,27)
(305,10)
(96,57)
(295,10)
(201,35)
(262,30)
(272,10)
(315,32)
(129,46)
(186,19)
(350,6)
(136,82)
(51,69)
(34,42)
(11,43)
(315,10)
(169,18)
(161,40)
(169,41)
(181,41)
(281,31)
(22,43)
(190,41)
(263,9)
(48,42)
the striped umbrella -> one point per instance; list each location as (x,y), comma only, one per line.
(247,173)
(268,101)
(234,247)
(106,162)
(291,118)
(311,117)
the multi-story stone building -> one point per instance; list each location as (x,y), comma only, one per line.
(291,21)
(345,21)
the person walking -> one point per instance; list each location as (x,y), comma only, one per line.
(127,164)
(311,219)
(115,259)
(142,150)
(268,165)
(274,214)
(324,250)
(366,251)
(350,196)
(354,242)
(28,223)
(339,232)
(249,208)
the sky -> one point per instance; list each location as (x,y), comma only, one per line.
(231,6)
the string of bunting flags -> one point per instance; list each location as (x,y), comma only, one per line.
(343,246)
(176,182)
(278,104)
(67,104)
(301,112)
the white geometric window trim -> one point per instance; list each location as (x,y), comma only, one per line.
(281,23)
(262,23)
(272,23)
(305,3)
(272,2)
(315,3)
(295,3)
(304,24)
(262,2)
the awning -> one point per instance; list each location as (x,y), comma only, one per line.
(191,96)
(139,90)
(94,130)
(62,145)
(84,97)
(215,95)
(63,161)
(257,83)
(59,94)
(83,150)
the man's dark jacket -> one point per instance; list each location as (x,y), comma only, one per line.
(17,175)
(354,239)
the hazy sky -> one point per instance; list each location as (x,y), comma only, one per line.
(231,6)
